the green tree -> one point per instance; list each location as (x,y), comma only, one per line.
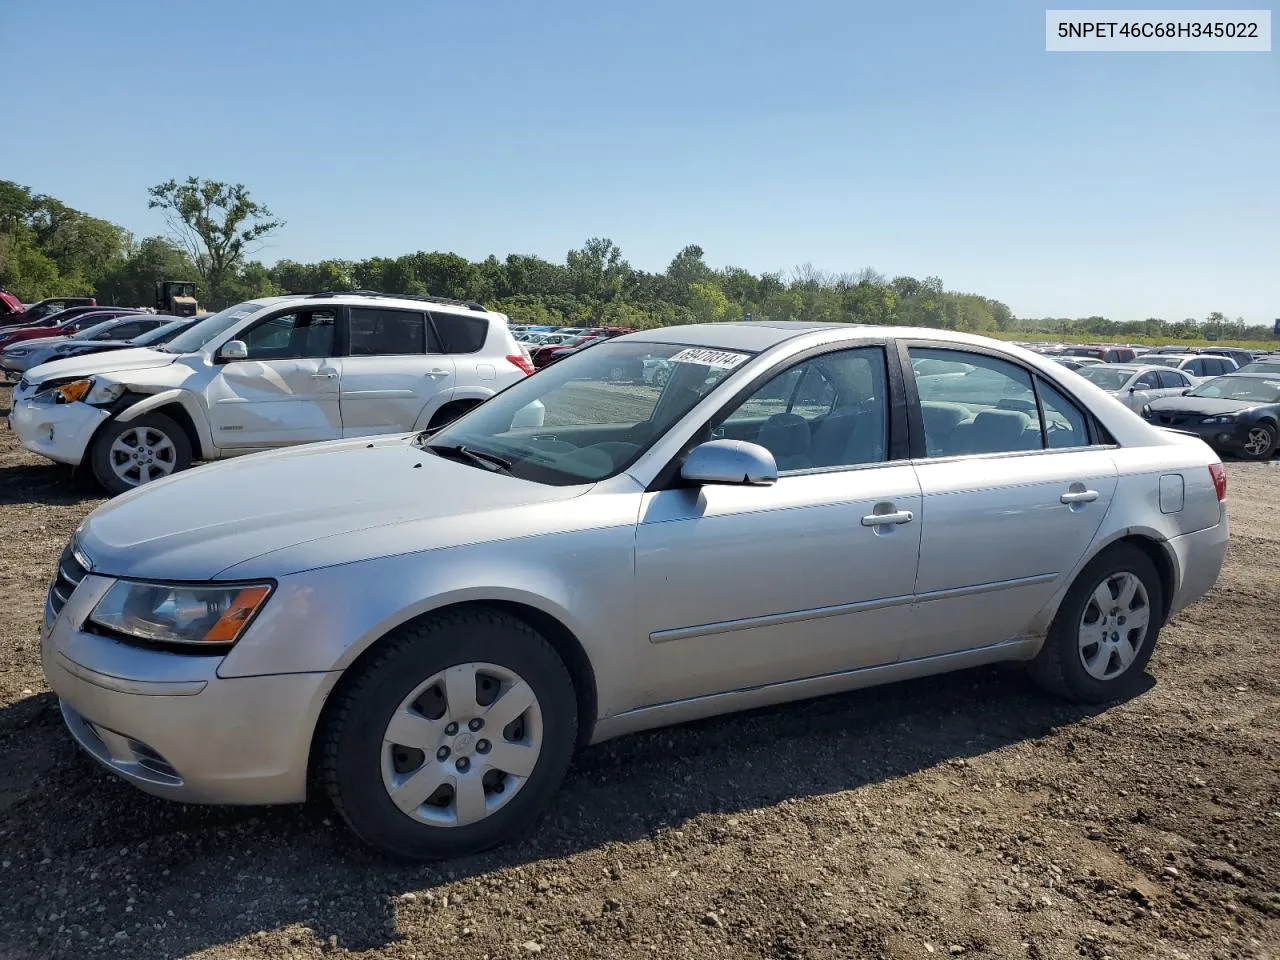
(131,281)
(217,223)
(707,303)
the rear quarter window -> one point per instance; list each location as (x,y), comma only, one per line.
(460,334)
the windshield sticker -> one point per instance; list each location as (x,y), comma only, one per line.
(722,359)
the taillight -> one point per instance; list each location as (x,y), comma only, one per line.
(521,361)
(1219,474)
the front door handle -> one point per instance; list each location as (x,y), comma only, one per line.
(437,373)
(323,375)
(887,519)
(1079,496)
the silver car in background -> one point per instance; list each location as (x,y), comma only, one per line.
(1137,384)
(430,624)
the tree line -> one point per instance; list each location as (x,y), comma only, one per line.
(49,249)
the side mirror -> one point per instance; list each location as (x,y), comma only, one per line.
(1186,391)
(233,350)
(1133,389)
(730,462)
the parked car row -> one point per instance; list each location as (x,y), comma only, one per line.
(261,374)
(427,626)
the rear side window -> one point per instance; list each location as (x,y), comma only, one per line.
(460,334)
(1170,379)
(973,404)
(382,333)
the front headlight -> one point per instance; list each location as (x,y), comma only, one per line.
(90,390)
(11,352)
(1225,418)
(1146,410)
(189,615)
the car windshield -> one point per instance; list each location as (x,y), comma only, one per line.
(1256,389)
(1166,361)
(1262,366)
(1108,378)
(210,327)
(589,416)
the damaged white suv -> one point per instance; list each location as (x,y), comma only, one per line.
(267,373)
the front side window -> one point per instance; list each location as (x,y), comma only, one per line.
(292,336)
(1148,381)
(381,333)
(588,416)
(1173,379)
(828,411)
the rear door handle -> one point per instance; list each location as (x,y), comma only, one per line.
(437,373)
(1081,496)
(887,519)
(323,375)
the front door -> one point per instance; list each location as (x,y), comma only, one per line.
(286,390)
(746,586)
(1014,489)
(391,373)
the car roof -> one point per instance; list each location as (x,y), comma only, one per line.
(348,298)
(754,335)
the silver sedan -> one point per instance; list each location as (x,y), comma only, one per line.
(430,625)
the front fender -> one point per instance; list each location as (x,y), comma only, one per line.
(188,403)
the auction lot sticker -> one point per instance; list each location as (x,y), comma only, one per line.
(1158,31)
(723,359)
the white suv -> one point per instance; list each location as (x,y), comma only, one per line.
(264,374)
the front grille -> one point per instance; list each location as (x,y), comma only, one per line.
(1175,420)
(68,576)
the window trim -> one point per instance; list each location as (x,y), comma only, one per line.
(1098,437)
(429,333)
(897,451)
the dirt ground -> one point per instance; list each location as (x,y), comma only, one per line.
(962,815)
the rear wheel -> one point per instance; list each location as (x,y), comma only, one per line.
(131,454)
(453,738)
(1260,444)
(1105,631)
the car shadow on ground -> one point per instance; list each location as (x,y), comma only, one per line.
(196,877)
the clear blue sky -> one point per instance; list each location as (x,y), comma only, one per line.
(930,138)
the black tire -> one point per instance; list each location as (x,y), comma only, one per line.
(1268,450)
(352,745)
(100,452)
(1058,667)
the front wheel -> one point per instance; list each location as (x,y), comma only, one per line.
(452,738)
(128,455)
(1260,444)
(1105,631)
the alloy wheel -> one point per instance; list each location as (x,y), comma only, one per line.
(462,744)
(1259,442)
(142,454)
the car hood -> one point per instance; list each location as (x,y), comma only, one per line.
(36,343)
(1208,406)
(137,358)
(293,503)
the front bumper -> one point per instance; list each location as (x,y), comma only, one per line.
(59,431)
(1222,437)
(169,724)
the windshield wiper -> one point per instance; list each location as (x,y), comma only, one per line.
(487,460)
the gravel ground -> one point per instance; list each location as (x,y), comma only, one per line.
(962,815)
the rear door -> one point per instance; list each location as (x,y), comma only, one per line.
(286,390)
(1014,484)
(393,370)
(1173,383)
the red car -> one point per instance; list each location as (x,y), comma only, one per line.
(542,355)
(80,321)
(46,308)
